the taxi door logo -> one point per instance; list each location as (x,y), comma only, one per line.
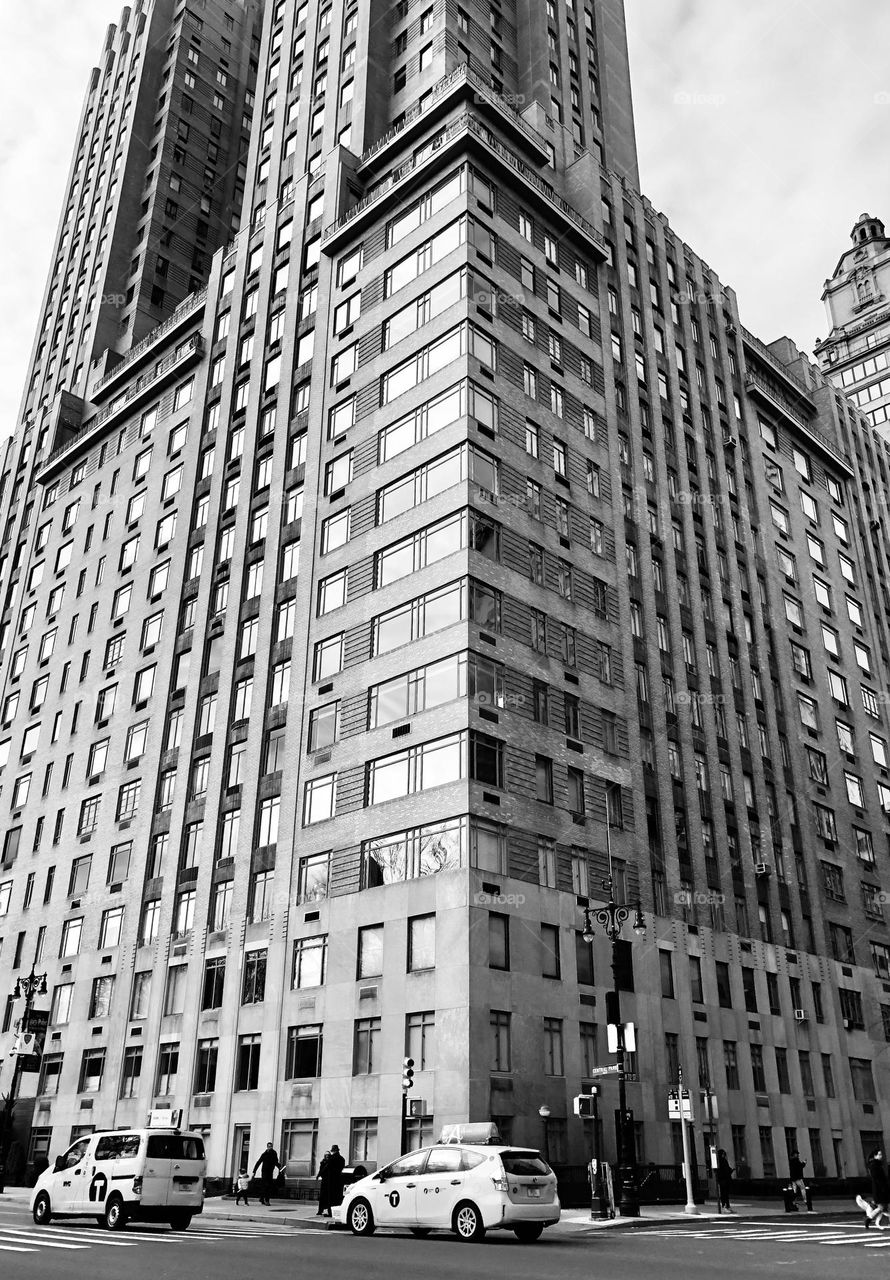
(98,1188)
(394,1199)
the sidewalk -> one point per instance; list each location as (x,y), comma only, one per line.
(302,1214)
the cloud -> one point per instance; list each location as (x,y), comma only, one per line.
(761,136)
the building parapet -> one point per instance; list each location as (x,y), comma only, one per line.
(465,125)
(185,355)
(758,386)
(775,366)
(185,311)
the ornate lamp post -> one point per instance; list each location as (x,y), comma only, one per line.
(27,989)
(612,919)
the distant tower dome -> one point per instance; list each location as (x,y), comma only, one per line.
(867,228)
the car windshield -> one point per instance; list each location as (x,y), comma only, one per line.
(524,1164)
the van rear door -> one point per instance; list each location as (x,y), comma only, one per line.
(530,1180)
(174,1171)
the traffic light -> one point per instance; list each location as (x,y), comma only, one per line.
(585,1105)
(407,1073)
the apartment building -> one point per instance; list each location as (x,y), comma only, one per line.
(454,548)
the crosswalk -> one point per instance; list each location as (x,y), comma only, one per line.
(838,1236)
(75,1238)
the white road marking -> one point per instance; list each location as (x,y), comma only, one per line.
(44,1244)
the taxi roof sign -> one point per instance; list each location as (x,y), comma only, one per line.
(478,1135)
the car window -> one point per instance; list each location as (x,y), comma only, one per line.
(117,1146)
(408,1165)
(524,1164)
(444,1160)
(174,1146)
(470,1159)
(76,1153)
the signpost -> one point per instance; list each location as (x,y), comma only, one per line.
(680,1108)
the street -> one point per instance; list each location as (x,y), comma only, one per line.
(224,1250)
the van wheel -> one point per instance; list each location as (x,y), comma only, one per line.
(180,1221)
(467,1222)
(115,1214)
(529,1232)
(42,1211)
(360,1218)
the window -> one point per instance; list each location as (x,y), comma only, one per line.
(421,943)
(168,1066)
(310,956)
(370,952)
(92,1067)
(498,941)
(553,1047)
(304,1052)
(501,1059)
(666,964)
(366,1046)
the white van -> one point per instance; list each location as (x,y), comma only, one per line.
(149,1175)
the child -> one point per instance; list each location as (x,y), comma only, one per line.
(243,1187)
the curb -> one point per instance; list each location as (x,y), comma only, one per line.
(643,1224)
(273,1219)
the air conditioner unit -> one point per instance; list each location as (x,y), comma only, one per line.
(848,1024)
(800,1015)
(731,329)
(761,868)
(729,442)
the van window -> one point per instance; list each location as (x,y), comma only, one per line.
(470,1159)
(524,1164)
(174,1146)
(75,1154)
(117,1146)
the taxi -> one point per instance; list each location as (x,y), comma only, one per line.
(468,1183)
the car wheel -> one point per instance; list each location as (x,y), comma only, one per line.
(529,1232)
(180,1221)
(420,1231)
(115,1214)
(467,1222)
(360,1218)
(42,1212)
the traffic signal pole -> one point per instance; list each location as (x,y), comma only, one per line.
(407,1083)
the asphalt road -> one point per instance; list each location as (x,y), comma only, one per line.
(222,1251)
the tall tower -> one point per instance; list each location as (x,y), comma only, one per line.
(856,353)
(454,549)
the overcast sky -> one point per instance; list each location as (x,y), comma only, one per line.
(762,126)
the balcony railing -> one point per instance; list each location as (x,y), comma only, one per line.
(192,347)
(776,364)
(467,123)
(186,308)
(461,73)
(755,382)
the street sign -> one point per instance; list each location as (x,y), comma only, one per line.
(602,1071)
(677,1109)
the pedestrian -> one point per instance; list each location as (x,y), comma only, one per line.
(795,1167)
(268,1166)
(724,1179)
(243,1186)
(324,1186)
(337,1165)
(880,1193)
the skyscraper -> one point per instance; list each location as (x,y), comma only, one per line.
(455,548)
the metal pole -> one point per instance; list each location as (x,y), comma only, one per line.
(599,1187)
(403,1124)
(712,1138)
(691,1206)
(628,1205)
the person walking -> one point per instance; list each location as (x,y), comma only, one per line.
(268,1166)
(243,1186)
(324,1187)
(795,1170)
(880,1193)
(724,1180)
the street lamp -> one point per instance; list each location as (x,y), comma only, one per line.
(544,1113)
(612,919)
(25,989)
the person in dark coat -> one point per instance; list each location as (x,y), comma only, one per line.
(324,1187)
(724,1179)
(268,1167)
(880,1192)
(337,1165)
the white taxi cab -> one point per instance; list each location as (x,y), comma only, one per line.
(149,1175)
(469,1183)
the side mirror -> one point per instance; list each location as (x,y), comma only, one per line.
(59,1164)
(380,1176)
